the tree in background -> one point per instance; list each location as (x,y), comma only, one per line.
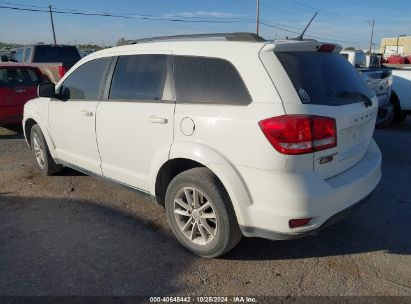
(121,41)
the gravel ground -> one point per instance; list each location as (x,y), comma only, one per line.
(73,234)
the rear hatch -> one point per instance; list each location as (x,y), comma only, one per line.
(17,86)
(327,85)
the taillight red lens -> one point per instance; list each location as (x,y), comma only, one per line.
(326,48)
(295,223)
(300,134)
(62,70)
(325,133)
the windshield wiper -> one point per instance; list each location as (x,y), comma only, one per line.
(357,96)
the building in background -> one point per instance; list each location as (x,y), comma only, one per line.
(398,45)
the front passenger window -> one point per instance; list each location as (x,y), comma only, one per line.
(87,81)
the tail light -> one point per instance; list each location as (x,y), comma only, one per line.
(62,70)
(328,48)
(300,134)
(295,223)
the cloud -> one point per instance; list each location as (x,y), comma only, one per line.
(204,14)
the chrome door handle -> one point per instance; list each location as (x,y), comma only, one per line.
(86,113)
(158,120)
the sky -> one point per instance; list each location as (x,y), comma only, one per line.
(346,22)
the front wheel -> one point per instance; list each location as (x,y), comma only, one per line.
(200,213)
(42,156)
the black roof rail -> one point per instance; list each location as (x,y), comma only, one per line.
(239,36)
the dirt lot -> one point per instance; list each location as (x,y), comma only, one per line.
(72,234)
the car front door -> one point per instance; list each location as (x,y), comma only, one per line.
(72,117)
(135,120)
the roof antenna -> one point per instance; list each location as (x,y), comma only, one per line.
(300,37)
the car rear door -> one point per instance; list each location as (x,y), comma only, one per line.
(135,119)
(72,117)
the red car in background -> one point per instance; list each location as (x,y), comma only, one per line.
(18,84)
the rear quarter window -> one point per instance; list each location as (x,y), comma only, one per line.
(208,80)
(323,78)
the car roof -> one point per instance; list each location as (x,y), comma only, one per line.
(210,48)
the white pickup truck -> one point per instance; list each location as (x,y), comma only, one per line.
(400,92)
(378,79)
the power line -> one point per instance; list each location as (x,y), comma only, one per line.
(140,17)
(215,20)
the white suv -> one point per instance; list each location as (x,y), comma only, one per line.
(234,135)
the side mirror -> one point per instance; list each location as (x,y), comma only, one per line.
(47,90)
(64,93)
(4,58)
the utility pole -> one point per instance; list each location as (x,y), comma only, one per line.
(372,35)
(52,24)
(258,17)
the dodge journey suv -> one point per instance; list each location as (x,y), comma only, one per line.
(234,135)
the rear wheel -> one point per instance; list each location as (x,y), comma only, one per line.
(42,156)
(200,213)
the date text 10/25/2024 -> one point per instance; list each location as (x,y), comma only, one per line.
(203,299)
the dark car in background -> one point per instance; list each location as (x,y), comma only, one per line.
(18,84)
(52,60)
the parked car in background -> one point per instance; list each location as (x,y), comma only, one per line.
(52,60)
(379,80)
(235,136)
(86,52)
(401,90)
(18,84)
(6,54)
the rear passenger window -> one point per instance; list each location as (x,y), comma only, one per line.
(87,81)
(139,77)
(208,80)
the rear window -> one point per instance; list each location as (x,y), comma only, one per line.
(49,53)
(14,77)
(324,78)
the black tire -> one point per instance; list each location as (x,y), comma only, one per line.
(48,166)
(399,115)
(386,123)
(227,233)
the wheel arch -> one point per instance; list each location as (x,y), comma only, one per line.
(32,119)
(185,156)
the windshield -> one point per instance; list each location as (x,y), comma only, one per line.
(324,78)
(50,53)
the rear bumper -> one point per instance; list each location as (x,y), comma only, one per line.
(278,197)
(13,120)
(271,235)
(11,115)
